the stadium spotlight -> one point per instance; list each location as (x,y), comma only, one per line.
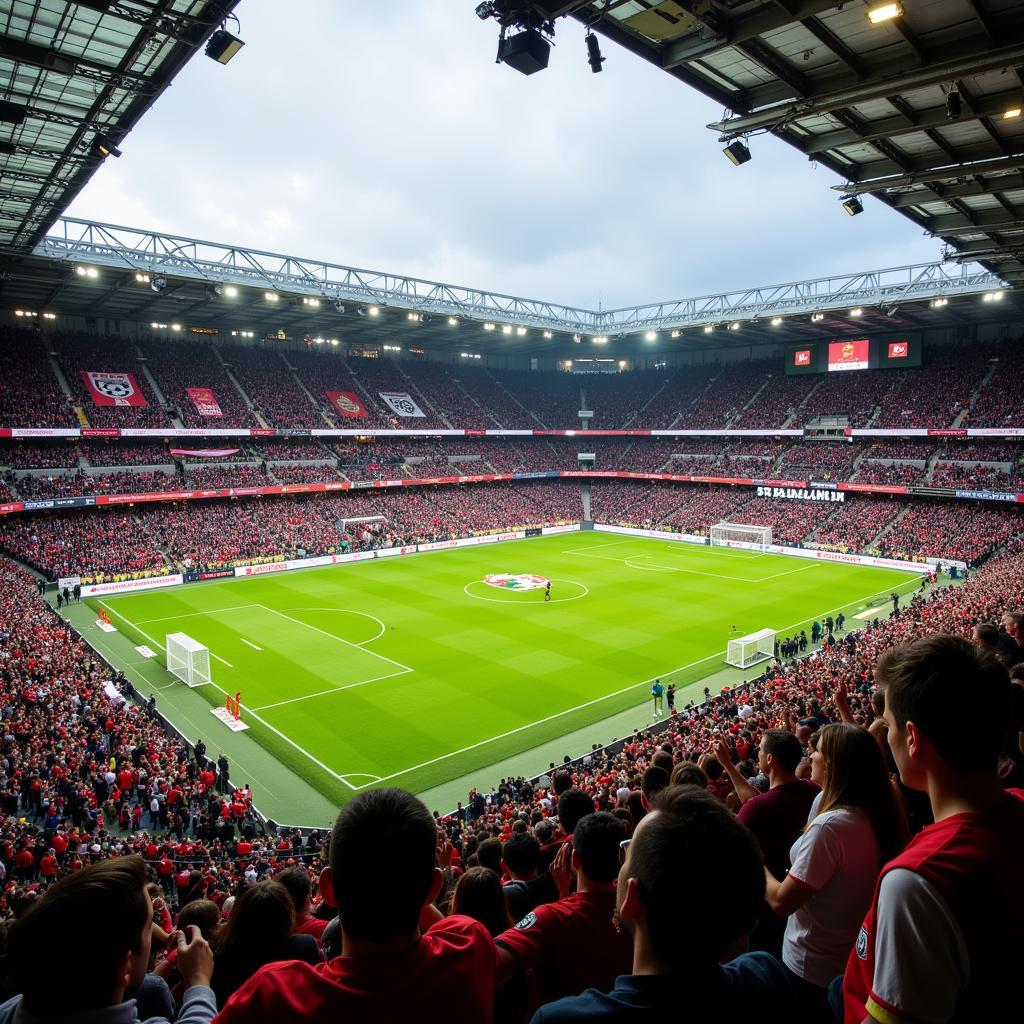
(272,296)
(103,147)
(339,307)
(548,335)
(576,338)
(996,296)
(159,283)
(308,300)
(734,326)
(938,303)
(415,317)
(708,328)
(175,327)
(677,333)
(83,271)
(601,339)
(776,320)
(594,58)
(852,205)
(817,317)
(884,12)
(737,152)
(230,291)
(223,46)
(521,332)
(142,278)
(453,321)
(651,336)
(1011,112)
(489,327)
(953,104)
(856,311)
(373,311)
(49,316)
(506,328)
(11,113)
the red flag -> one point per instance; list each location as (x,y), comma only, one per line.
(113,388)
(205,401)
(347,404)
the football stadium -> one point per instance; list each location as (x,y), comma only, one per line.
(373,645)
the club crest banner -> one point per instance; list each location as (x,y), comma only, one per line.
(401,403)
(347,404)
(113,389)
(205,401)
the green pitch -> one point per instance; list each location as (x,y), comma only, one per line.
(412,671)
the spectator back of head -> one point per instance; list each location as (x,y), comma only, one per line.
(521,853)
(573,805)
(928,682)
(689,834)
(382,863)
(784,747)
(107,907)
(596,842)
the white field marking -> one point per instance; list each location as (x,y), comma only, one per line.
(263,722)
(693,572)
(151,640)
(333,689)
(597,700)
(349,611)
(648,568)
(591,547)
(554,600)
(252,645)
(347,643)
(363,775)
(189,615)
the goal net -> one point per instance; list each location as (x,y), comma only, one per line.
(745,651)
(188,660)
(728,535)
(353,526)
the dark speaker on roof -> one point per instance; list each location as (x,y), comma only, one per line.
(527,51)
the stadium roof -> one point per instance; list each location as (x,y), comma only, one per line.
(74,74)
(869,101)
(102,271)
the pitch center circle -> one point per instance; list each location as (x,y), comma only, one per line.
(520,596)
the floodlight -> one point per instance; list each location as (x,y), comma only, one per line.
(521,332)
(708,328)
(223,46)
(103,147)
(506,328)
(884,12)
(230,291)
(856,311)
(953,103)
(938,303)
(1012,112)
(373,310)
(489,327)
(142,278)
(776,320)
(548,335)
(651,336)
(594,58)
(852,205)
(737,152)
(271,296)
(734,326)
(308,300)
(453,321)
(817,317)
(83,271)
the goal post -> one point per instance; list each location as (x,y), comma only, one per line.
(728,535)
(748,650)
(188,660)
(357,520)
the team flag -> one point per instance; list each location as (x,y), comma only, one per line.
(401,403)
(205,401)
(113,389)
(347,404)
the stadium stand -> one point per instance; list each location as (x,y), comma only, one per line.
(37,399)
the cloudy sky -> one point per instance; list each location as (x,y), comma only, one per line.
(384,136)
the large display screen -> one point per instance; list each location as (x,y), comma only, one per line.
(855,354)
(849,355)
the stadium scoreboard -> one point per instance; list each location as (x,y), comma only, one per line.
(852,354)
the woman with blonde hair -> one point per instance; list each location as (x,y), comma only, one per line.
(856,824)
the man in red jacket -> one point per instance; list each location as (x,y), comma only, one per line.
(383,877)
(943,939)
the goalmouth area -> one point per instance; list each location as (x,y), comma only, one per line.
(420,670)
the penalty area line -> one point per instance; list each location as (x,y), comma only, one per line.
(277,732)
(250,644)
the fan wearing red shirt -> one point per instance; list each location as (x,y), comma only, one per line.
(296,880)
(383,877)
(943,940)
(573,944)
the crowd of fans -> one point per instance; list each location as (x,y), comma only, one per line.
(58,455)
(854,524)
(31,396)
(121,454)
(967,532)
(976,477)
(895,473)
(271,386)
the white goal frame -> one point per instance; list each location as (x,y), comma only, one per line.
(729,535)
(749,650)
(188,660)
(361,519)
